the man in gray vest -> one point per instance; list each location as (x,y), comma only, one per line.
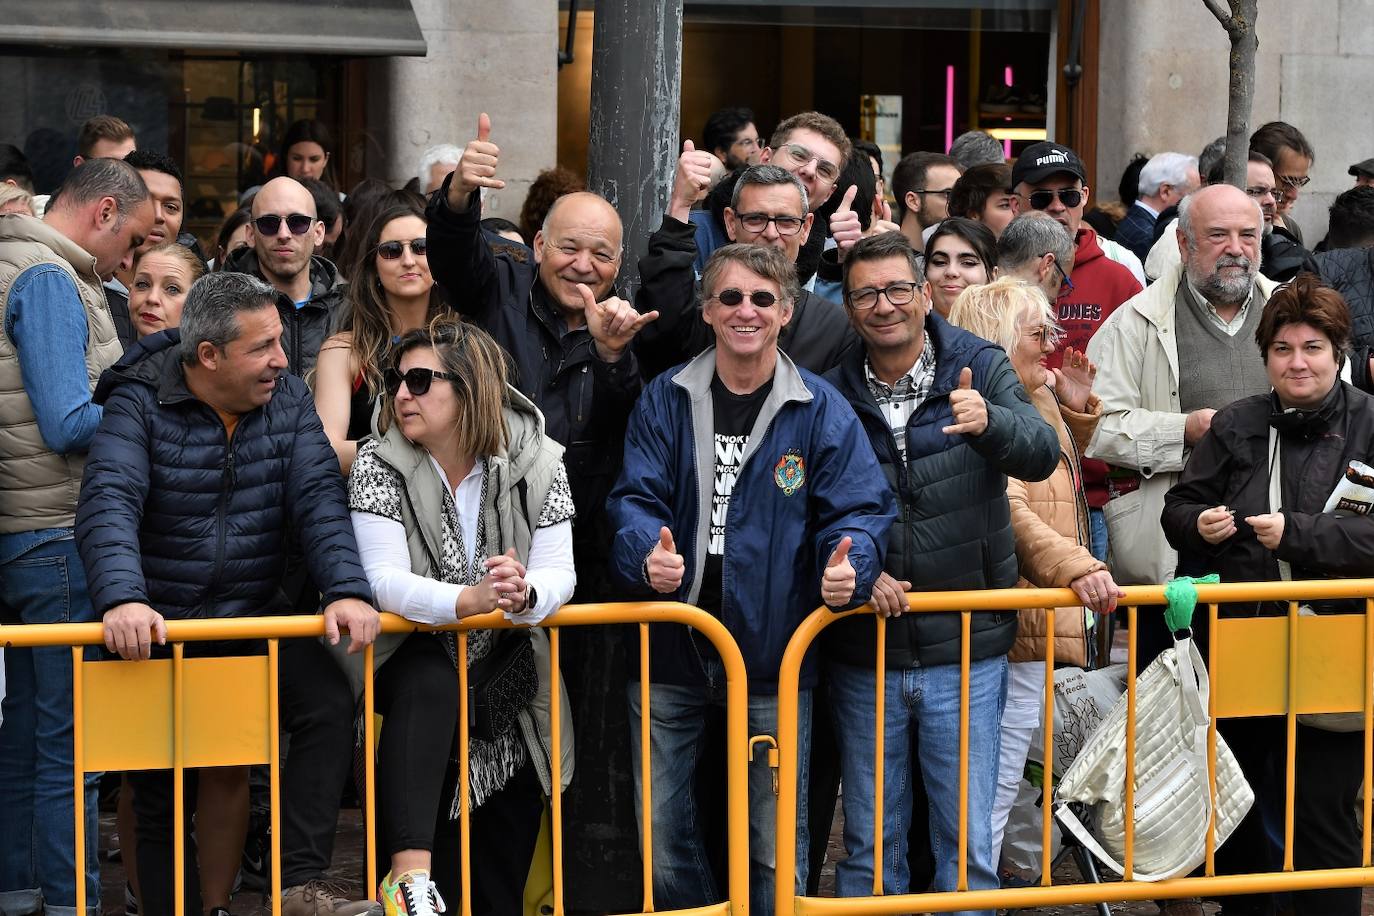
(56,337)
(1168,359)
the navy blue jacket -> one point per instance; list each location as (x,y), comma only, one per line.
(954,530)
(779,531)
(1137,231)
(174,515)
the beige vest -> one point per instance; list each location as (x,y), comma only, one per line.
(38,487)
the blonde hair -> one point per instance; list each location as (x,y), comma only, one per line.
(195,267)
(994,311)
(10,193)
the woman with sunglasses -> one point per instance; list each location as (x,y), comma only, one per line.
(391,292)
(961,253)
(462,507)
(1049,518)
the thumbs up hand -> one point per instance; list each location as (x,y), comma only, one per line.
(845,227)
(664,565)
(837,582)
(691,181)
(967,406)
(476,167)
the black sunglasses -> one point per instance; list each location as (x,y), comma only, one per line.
(390,251)
(761,298)
(270,223)
(417,380)
(1069,197)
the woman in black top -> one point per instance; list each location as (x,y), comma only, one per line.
(391,292)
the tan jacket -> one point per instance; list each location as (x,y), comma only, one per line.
(38,487)
(1050,521)
(1142,423)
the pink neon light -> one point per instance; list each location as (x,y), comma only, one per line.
(949,107)
(1006,144)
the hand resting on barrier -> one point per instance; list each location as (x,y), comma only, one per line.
(129,630)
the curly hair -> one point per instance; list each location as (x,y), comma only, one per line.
(547,187)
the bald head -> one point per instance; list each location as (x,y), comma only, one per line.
(285,232)
(579,243)
(1206,204)
(1220,229)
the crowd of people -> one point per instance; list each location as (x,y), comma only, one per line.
(828,391)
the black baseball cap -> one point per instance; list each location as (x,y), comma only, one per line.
(1041,160)
(1363,169)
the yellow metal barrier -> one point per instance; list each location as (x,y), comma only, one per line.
(1259,666)
(178,713)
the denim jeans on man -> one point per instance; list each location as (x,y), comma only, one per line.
(924,700)
(42,581)
(677,722)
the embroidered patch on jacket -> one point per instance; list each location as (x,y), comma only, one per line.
(790,473)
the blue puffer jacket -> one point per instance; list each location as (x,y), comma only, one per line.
(807,482)
(175,516)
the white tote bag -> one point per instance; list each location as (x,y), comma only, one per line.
(1172,802)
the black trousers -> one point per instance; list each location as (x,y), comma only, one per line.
(1329,770)
(417,698)
(155,811)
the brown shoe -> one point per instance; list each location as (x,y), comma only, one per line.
(323,898)
(1183,906)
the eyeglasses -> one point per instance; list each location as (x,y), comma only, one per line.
(1295,181)
(746,142)
(270,223)
(761,298)
(1047,335)
(945,193)
(417,380)
(1065,284)
(1259,192)
(899,293)
(390,251)
(758,222)
(800,156)
(1069,197)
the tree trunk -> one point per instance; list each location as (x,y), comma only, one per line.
(636,115)
(1240,27)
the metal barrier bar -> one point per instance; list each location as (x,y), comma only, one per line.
(1368,728)
(965,627)
(369,765)
(1047,810)
(556,770)
(1291,763)
(179,778)
(1210,852)
(79,791)
(1128,858)
(274,771)
(464,778)
(879,754)
(646,768)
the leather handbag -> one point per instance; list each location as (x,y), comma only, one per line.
(1172,801)
(501,684)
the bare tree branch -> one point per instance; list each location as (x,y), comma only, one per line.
(1223,15)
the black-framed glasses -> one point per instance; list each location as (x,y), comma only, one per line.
(390,251)
(761,298)
(866,297)
(417,380)
(1069,197)
(270,223)
(800,156)
(758,222)
(1065,284)
(945,193)
(1294,181)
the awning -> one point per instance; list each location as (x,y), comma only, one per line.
(356,28)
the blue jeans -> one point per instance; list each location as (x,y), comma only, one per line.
(1097,524)
(923,701)
(682,870)
(44,584)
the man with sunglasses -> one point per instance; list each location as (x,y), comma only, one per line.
(948,419)
(749,490)
(1050,178)
(208,462)
(283,236)
(768,207)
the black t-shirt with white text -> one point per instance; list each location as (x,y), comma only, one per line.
(734,420)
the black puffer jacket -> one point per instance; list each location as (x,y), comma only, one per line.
(1230,467)
(585,401)
(817,337)
(174,516)
(304,329)
(1350,272)
(953,529)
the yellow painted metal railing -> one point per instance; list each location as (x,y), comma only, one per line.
(1259,666)
(201,712)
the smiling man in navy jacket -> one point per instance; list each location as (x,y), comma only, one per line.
(750,490)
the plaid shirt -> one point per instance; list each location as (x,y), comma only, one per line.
(898,402)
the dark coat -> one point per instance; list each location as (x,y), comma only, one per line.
(304,329)
(175,516)
(1350,272)
(1136,231)
(1230,467)
(953,528)
(1282,258)
(585,401)
(816,339)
